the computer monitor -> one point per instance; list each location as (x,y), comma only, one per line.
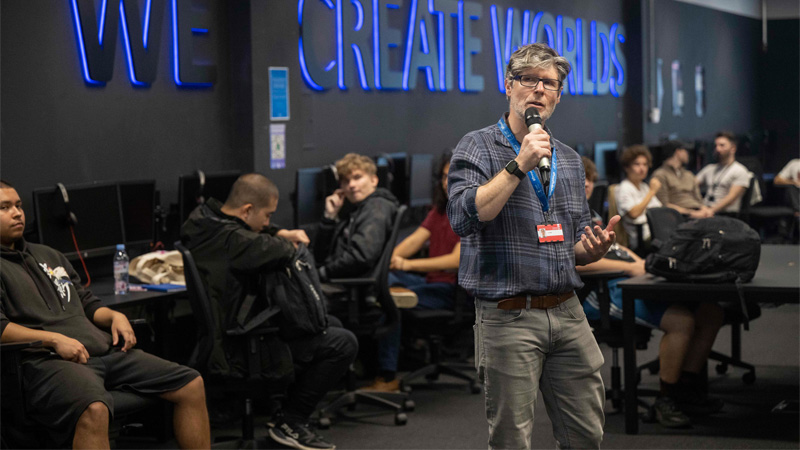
(309,198)
(191,193)
(397,174)
(605,158)
(99,219)
(420,180)
(138,200)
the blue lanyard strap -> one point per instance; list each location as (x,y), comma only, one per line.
(537,185)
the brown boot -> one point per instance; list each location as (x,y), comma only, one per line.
(381,385)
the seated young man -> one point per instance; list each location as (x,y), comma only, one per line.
(689,333)
(233,245)
(350,239)
(67,383)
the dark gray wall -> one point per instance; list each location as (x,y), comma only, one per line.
(326,125)
(728,47)
(55,128)
(781,93)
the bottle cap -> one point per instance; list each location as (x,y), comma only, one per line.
(120,247)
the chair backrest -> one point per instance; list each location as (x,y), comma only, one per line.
(747,197)
(381,276)
(622,236)
(599,198)
(663,221)
(201,309)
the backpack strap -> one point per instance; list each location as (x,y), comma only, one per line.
(742,303)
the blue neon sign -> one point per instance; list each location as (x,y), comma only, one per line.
(426,45)
(96,33)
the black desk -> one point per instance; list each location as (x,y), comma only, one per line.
(777,280)
(156,302)
(104,289)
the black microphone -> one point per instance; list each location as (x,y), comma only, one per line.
(534,122)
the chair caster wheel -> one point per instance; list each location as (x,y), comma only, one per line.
(749,378)
(721,368)
(400,419)
(324,423)
(474,389)
(409,405)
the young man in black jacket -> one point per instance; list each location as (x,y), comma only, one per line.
(350,238)
(233,245)
(66,382)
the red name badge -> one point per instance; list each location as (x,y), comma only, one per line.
(550,233)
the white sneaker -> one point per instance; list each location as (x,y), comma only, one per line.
(403,298)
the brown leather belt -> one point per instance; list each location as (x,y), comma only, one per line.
(537,301)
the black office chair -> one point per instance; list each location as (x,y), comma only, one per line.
(365,320)
(663,221)
(18,431)
(765,218)
(250,344)
(434,325)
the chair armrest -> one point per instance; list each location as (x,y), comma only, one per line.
(353,281)
(14,346)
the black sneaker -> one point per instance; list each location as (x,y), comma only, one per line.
(298,436)
(668,414)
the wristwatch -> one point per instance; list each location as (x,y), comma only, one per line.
(513,168)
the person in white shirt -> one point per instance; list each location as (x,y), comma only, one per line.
(634,195)
(789,177)
(727,180)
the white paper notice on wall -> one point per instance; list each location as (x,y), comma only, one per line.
(277,146)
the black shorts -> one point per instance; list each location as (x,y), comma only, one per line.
(57,392)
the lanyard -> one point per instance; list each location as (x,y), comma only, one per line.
(537,185)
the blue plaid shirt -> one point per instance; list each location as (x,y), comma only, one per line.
(503,257)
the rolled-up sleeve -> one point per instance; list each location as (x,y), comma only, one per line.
(468,171)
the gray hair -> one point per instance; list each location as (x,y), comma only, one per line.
(537,56)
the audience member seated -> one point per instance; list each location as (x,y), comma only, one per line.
(435,289)
(689,333)
(357,221)
(234,245)
(634,195)
(725,181)
(67,383)
(679,189)
(790,176)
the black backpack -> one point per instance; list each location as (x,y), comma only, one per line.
(713,250)
(295,289)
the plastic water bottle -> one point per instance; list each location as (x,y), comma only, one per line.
(121,262)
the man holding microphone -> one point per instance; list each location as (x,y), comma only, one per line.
(521,240)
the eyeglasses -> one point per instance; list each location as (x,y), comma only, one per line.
(531,82)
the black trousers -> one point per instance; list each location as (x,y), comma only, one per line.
(320,362)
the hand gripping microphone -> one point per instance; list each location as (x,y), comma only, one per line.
(534,122)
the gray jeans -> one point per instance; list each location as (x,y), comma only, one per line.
(518,352)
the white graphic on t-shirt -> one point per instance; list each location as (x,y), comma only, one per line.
(60,280)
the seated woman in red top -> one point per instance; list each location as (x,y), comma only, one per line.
(434,290)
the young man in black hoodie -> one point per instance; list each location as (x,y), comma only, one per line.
(66,381)
(233,245)
(350,238)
